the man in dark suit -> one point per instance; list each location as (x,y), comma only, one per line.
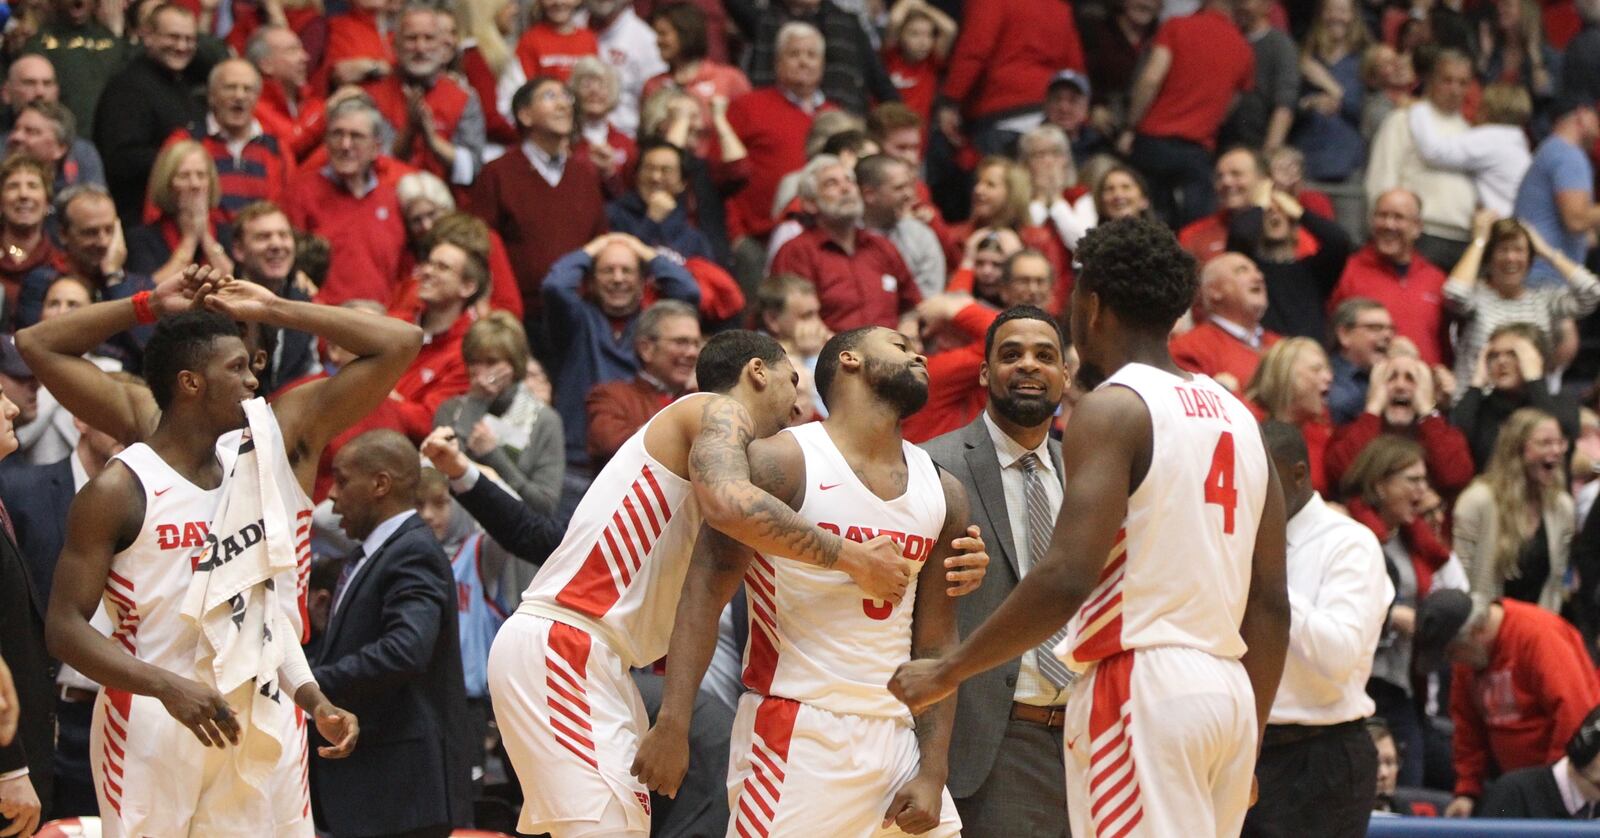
(1011,780)
(38,498)
(25,769)
(391,654)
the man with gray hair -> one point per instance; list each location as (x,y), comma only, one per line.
(289,107)
(852,72)
(252,165)
(860,277)
(668,345)
(888,191)
(352,203)
(439,124)
(45,131)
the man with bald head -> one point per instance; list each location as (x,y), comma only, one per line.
(252,165)
(391,649)
(1228,344)
(49,133)
(289,106)
(1392,271)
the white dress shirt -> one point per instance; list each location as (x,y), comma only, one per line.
(1032,687)
(369,546)
(1339,595)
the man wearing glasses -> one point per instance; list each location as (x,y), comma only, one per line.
(668,343)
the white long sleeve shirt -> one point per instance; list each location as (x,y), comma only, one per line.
(1496,156)
(1339,595)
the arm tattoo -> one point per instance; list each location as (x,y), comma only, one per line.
(720,463)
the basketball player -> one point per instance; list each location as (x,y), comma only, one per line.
(820,746)
(135,530)
(604,601)
(1168,559)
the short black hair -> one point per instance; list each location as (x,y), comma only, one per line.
(524,95)
(181,342)
(689,22)
(1139,271)
(723,358)
(658,144)
(828,362)
(1021,313)
(1284,442)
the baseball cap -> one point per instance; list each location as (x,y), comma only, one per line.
(1072,77)
(1567,103)
(1439,619)
(11,362)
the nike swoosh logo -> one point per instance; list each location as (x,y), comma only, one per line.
(826,486)
(1073,741)
(158,493)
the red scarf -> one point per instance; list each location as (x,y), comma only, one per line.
(1428,553)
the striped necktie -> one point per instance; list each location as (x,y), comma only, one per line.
(1041,524)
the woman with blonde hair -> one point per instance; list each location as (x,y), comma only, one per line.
(1291,385)
(1000,196)
(1384,490)
(188,227)
(499,421)
(1513,525)
(489,27)
(1329,128)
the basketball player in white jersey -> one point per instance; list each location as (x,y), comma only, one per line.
(604,602)
(135,530)
(820,746)
(1168,559)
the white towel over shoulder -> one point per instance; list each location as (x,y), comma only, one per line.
(235,598)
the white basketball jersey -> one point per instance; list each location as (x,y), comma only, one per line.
(619,570)
(148,581)
(814,636)
(1179,573)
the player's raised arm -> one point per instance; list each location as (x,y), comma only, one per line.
(105,516)
(719,466)
(915,806)
(1265,626)
(1109,435)
(316,412)
(54,351)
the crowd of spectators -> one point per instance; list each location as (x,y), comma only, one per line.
(1391,204)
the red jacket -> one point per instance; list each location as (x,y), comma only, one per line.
(1415,301)
(954,395)
(438,373)
(303,129)
(1210,350)
(1446,453)
(367,234)
(353,34)
(1006,53)
(1522,708)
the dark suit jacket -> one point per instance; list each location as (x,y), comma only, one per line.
(392,656)
(38,498)
(1525,793)
(22,646)
(983,705)
(526,534)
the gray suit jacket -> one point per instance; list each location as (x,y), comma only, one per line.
(983,706)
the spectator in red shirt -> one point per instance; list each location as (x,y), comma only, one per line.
(1521,684)
(351,202)
(1196,66)
(1401,401)
(252,163)
(773,123)
(1390,270)
(1004,58)
(551,46)
(449,283)
(915,49)
(289,107)
(668,344)
(438,124)
(487,60)
(542,200)
(859,275)
(1227,346)
(360,45)
(1000,197)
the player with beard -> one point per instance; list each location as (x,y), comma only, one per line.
(820,747)
(1169,564)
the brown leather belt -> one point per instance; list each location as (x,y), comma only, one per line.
(1048,716)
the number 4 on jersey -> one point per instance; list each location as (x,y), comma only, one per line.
(1219,481)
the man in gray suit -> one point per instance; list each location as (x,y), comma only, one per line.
(1010,780)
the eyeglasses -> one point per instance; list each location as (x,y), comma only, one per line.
(678,343)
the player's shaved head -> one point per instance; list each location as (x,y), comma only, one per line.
(385,452)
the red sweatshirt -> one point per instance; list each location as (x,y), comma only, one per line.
(954,395)
(1446,453)
(438,373)
(1524,706)
(544,51)
(1006,53)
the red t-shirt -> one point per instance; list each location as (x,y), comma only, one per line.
(917,82)
(1211,62)
(545,52)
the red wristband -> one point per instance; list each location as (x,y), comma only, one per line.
(142,312)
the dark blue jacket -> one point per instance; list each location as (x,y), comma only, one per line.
(38,498)
(675,232)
